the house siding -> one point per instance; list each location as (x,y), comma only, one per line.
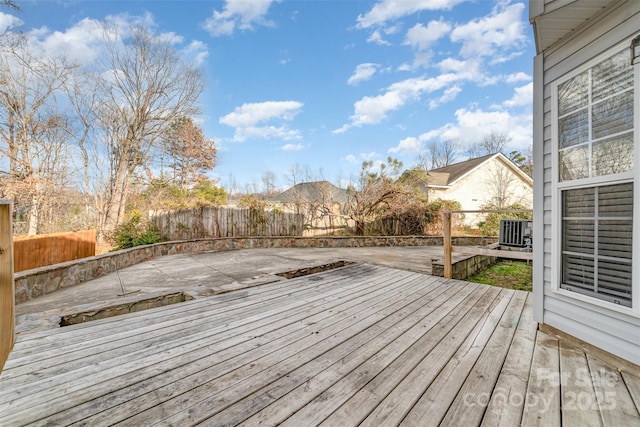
(614,331)
(475,189)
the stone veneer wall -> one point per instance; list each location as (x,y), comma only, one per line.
(464,267)
(33,283)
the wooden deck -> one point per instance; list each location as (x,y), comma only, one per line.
(359,345)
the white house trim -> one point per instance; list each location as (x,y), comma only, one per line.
(558,185)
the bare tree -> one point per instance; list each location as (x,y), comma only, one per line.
(501,184)
(148,88)
(31,125)
(269,184)
(443,154)
(374,193)
(295,174)
(492,143)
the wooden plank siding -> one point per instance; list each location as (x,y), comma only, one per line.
(614,330)
(48,249)
(358,345)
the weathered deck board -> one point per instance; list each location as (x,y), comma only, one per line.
(469,405)
(613,399)
(508,396)
(429,409)
(308,387)
(359,345)
(282,363)
(286,406)
(47,340)
(576,400)
(112,370)
(542,401)
(253,362)
(165,329)
(633,386)
(396,404)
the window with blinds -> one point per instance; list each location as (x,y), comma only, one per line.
(595,142)
(595,120)
(597,225)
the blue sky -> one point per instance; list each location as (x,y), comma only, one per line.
(327,84)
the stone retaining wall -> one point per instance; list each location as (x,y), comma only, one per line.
(465,267)
(33,283)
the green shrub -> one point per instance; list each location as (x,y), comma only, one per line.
(491,224)
(434,215)
(135,232)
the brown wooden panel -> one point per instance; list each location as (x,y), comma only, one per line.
(48,249)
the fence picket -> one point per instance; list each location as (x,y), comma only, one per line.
(225,222)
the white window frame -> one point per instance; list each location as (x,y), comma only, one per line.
(558,186)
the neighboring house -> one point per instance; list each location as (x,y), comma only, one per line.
(492,179)
(321,202)
(586,122)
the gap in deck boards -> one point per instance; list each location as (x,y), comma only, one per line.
(124,308)
(175,298)
(315,269)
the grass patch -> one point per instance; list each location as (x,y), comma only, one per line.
(507,274)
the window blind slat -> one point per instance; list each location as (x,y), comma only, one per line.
(610,247)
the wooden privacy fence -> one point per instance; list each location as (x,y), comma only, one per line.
(48,249)
(469,250)
(7,288)
(226,222)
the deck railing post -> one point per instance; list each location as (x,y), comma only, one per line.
(7,288)
(446,230)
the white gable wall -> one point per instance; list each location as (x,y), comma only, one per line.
(484,184)
(613,330)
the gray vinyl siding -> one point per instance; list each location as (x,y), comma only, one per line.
(613,331)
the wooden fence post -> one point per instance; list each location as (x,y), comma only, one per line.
(446,230)
(7,290)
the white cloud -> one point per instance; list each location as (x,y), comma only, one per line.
(409,145)
(170,38)
(197,51)
(421,37)
(376,37)
(8,22)
(362,157)
(518,77)
(265,132)
(78,43)
(373,109)
(250,114)
(362,73)
(523,96)
(247,116)
(350,158)
(292,147)
(369,156)
(472,125)
(387,10)
(459,66)
(82,43)
(449,95)
(238,14)
(503,29)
